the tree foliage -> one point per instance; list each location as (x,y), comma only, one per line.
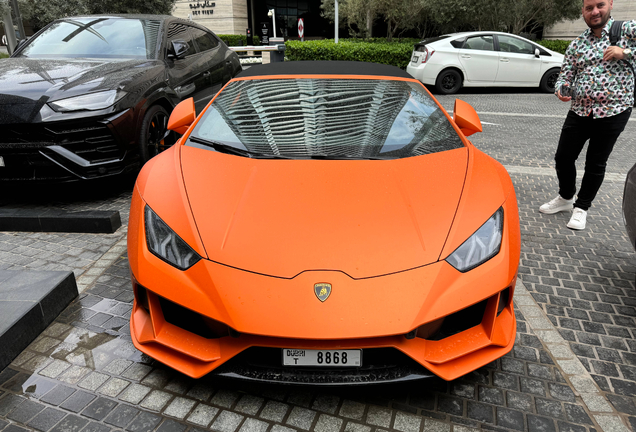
(42,13)
(4,7)
(513,16)
(359,15)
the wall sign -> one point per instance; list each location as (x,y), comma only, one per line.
(202,7)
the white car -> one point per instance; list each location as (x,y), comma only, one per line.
(484,59)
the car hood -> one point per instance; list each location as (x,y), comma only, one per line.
(283,217)
(26,84)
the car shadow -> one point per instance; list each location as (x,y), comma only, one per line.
(490,90)
(77,193)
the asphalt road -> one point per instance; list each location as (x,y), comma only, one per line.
(573,367)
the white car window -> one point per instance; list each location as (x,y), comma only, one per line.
(513,45)
(483,43)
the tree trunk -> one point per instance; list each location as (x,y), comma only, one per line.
(369,24)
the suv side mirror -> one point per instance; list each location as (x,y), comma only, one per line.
(20,43)
(537,53)
(178,49)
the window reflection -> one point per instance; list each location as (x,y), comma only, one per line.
(96,38)
(329,118)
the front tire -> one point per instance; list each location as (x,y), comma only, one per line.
(448,81)
(154,136)
(548,81)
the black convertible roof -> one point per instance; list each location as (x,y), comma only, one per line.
(324,68)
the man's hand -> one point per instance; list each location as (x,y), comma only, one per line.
(613,53)
(563,98)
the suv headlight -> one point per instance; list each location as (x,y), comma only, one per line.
(88,102)
(481,246)
(166,244)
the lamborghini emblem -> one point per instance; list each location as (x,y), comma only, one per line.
(322,291)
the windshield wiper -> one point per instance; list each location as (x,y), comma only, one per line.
(345,157)
(228,149)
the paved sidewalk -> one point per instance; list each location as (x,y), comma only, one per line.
(572,368)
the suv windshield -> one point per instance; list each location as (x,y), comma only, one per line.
(325,118)
(96,38)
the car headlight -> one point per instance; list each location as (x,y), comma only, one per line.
(166,244)
(88,102)
(481,246)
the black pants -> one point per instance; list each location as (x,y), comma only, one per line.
(602,133)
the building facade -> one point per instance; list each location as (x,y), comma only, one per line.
(623,10)
(236,16)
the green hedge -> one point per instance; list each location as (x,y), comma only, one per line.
(375,50)
(237,40)
(555,45)
(412,41)
(394,53)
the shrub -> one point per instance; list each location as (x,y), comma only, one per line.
(394,53)
(555,45)
(237,40)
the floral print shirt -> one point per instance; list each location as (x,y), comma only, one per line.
(603,88)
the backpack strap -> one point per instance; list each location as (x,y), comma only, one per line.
(615,32)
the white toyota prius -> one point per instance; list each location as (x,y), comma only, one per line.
(484,59)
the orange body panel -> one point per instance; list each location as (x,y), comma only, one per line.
(257,304)
(183,115)
(466,118)
(377,231)
(365,218)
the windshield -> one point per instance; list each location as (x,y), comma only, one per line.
(326,118)
(96,38)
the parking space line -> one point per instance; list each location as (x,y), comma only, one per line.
(507,114)
(515,169)
(571,367)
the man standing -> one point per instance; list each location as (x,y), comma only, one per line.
(600,85)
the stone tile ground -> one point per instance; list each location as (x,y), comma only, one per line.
(83,371)
(84,374)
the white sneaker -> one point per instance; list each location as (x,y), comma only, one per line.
(556,205)
(577,221)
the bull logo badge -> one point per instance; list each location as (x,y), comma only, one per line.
(322,291)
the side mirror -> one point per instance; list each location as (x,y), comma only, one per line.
(182,116)
(537,53)
(20,43)
(178,49)
(466,118)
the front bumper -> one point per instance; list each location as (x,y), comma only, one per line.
(449,357)
(83,148)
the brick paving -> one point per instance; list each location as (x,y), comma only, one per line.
(83,374)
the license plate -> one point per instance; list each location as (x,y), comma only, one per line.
(326,358)
(415,59)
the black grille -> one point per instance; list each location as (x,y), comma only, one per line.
(461,321)
(380,365)
(28,164)
(192,321)
(24,146)
(92,141)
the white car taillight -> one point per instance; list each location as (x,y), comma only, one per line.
(428,52)
(421,54)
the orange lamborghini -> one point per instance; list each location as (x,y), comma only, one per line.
(324,222)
